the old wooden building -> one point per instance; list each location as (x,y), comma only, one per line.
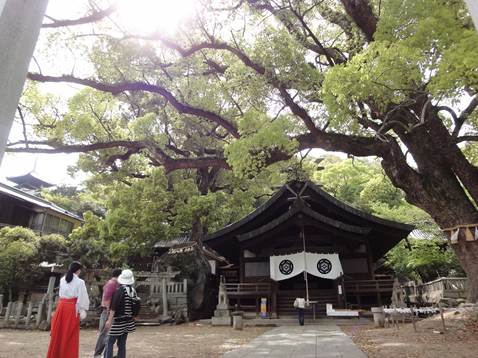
(22,208)
(303,221)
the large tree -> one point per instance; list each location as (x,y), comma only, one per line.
(252,82)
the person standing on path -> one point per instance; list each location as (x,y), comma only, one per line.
(299,304)
(65,323)
(120,320)
(109,290)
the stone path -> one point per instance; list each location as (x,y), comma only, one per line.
(310,341)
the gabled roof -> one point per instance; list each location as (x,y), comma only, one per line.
(35,200)
(302,209)
(29,181)
(326,210)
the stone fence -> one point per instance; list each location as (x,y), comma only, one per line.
(439,290)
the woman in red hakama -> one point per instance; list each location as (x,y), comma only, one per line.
(65,330)
(65,323)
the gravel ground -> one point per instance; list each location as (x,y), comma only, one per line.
(187,340)
(460,339)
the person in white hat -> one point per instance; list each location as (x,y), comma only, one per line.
(123,309)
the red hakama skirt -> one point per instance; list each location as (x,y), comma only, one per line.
(65,330)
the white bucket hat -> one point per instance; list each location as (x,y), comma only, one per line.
(126,277)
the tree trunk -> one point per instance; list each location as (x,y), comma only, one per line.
(467,253)
(443,184)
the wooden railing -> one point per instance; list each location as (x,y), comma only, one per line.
(248,288)
(368,286)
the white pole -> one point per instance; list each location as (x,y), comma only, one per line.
(473,7)
(20,22)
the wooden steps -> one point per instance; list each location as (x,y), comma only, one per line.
(285,302)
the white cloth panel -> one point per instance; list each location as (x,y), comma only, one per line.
(321,265)
(324,265)
(286,266)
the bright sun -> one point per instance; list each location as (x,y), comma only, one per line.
(148,16)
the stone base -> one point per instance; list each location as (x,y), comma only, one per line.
(221,321)
(222,317)
(222,313)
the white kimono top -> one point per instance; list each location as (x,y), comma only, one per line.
(76,288)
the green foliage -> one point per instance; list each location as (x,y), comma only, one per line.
(417,41)
(73,199)
(85,243)
(426,261)
(362,184)
(21,252)
(261,139)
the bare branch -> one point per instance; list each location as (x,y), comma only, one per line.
(467,138)
(95,16)
(464,116)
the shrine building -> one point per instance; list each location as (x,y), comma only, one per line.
(301,242)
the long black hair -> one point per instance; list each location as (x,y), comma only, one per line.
(74,266)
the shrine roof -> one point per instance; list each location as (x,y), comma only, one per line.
(323,211)
(302,209)
(336,206)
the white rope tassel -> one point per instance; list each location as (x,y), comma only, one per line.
(468,235)
(454,236)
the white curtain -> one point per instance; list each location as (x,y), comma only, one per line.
(324,265)
(321,265)
(286,266)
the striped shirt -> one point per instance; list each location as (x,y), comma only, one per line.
(123,321)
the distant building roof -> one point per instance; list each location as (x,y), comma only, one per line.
(35,200)
(29,181)
(166,244)
(184,241)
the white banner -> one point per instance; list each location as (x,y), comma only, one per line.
(324,265)
(286,266)
(321,265)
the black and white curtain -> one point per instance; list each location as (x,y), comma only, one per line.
(321,265)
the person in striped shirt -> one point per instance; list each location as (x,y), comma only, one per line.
(120,320)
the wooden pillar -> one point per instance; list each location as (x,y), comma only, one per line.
(370,261)
(274,289)
(339,293)
(241,266)
(344,293)
(379,296)
(357,290)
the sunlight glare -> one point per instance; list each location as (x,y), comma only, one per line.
(148,16)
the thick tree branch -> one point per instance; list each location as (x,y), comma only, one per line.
(464,116)
(158,156)
(95,16)
(467,138)
(116,88)
(361,13)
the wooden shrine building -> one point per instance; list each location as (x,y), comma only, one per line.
(302,215)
